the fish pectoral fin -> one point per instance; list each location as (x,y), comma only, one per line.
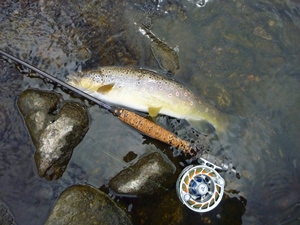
(105,88)
(153,111)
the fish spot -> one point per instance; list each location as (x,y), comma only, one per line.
(160,87)
(185,94)
(170,95)
(177,93)
(143,89)
(206,110)
(191,103)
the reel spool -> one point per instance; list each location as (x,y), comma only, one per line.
(200,188)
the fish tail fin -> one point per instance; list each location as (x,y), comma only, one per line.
(227,126)
(201,126)
(232,129)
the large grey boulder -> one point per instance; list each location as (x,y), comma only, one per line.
(55,127)
(145,177)
(85,205)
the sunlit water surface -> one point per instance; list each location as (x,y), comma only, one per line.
(243,57)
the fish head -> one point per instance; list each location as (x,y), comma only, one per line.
(91,82)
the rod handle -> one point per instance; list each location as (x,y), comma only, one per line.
(151,129)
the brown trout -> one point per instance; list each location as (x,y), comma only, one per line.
(147,91)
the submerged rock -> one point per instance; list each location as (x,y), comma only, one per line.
(144,177)
(169,211)
(261,32)
(84,205)
(54,131)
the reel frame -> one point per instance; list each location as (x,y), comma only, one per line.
(200,187)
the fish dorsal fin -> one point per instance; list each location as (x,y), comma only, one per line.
(105,88)
(153,111)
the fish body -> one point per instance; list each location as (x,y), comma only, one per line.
(147,91)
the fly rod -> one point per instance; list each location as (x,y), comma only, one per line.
(136,121)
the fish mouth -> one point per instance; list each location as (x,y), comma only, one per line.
(73,80)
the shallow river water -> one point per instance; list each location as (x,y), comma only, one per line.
(242,57)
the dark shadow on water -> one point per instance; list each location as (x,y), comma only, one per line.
(166,208)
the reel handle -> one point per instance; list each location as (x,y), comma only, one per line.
(218,164)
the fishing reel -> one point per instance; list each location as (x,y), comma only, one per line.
(200,187)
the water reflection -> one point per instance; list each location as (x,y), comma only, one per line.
(249,49)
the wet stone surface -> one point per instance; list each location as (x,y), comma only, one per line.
(5,216)
(145,177)
(10,88)
(55,127)
(83,204)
